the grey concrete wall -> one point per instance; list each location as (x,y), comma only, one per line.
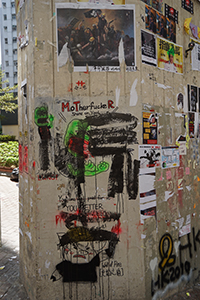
(108,199)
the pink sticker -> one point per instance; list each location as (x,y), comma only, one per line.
(168,175)
(187,171)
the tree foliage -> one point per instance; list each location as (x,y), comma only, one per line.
(7,99)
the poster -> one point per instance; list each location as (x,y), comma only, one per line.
(158,23)
(170,56)
(150,19)
(147,193)
(188,5)
(156,4)
(170,157)
(148,41)
(112,2)
(180,101)
(195,55)
(149,156)
(92,36)
(150,127)
(171,13)
(191,121)
(192,99)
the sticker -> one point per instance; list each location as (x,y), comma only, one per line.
(182,148)
(148,41)
(170,157)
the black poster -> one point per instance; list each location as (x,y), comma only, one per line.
(192,99)
(148,41)
(171,13)
(188,5)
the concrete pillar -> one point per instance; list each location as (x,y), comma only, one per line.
(101,215)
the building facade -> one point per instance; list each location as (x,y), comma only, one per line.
(109,110)
(9,60)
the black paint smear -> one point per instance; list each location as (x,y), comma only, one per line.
(84,218)
(45,136)
(113,135)
(104,151)
(82,234)
(44,155)
(133,177)
(78,272)
(115,181)
(110,118)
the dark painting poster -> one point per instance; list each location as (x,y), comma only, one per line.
(165,27)
(188,5)
(150,19)
(148,41)
(171,13)
(95,37)
(156,4)
(149,128)
(192,99)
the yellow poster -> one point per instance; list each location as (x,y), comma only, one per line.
(169,56)
(116,2)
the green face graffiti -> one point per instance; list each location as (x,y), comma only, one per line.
(42,118)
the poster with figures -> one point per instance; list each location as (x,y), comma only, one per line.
(156,4)
(150,127)
(95,37)
(169,56)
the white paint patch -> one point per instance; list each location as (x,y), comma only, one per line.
(153,264)
(160,85)
(20,231)
(168,194)
(117,93)
(188,187)
(143,236)
(133,94)
(121,51)
(47,264)
(176,246)
(29,235)
(179,115)
(142,80)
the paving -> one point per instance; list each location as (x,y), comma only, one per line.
(10,286)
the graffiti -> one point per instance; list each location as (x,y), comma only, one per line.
(77,107)
(89,138)
(44,121)
(47,176)
(170,269)
(111,268)
(89,217)
(79,243)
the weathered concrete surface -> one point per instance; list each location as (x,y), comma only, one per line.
(94,226)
